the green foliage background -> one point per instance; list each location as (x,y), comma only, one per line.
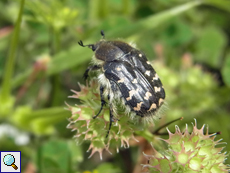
(40,62)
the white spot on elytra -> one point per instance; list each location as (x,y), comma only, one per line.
(147,73)
(134,81)
(156,77)
(157,89)
(148,62)
(138,106)
(160,101)
(131,93)
(153,106)
(118,69)
(147,95)
(121,80)
(140,55)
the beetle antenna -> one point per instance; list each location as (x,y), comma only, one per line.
(102,34)
(91,46)
(81,44)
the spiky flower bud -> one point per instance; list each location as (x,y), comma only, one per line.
(95,130)
(195,152)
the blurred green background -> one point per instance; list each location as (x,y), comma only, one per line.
(40,62)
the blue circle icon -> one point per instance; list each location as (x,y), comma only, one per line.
(9,160)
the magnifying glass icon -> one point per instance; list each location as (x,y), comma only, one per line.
(9,160)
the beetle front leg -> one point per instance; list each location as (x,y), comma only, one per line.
(90,68)
(103,102)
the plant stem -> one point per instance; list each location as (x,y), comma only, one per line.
(57,41)
(156,132)
(56,78)
(9,68)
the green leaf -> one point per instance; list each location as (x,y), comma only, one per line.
(107,167)
(76,152)
(222,4)
(210,46)
(178,33)
(55,157)
(5,93)
(6,106)
(153,21)
(39,121)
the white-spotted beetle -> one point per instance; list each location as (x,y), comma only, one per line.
(126,76)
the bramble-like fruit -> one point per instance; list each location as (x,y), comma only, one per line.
(94,130)
(195,152)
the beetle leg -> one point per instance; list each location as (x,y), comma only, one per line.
(103,102)
(90,68)
(111,117)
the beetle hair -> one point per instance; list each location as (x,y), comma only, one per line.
(132,44)
(153,116)
(96,61)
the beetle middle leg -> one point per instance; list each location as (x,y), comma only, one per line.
(111,120)
(103,102)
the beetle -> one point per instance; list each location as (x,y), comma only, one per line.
(126,76)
